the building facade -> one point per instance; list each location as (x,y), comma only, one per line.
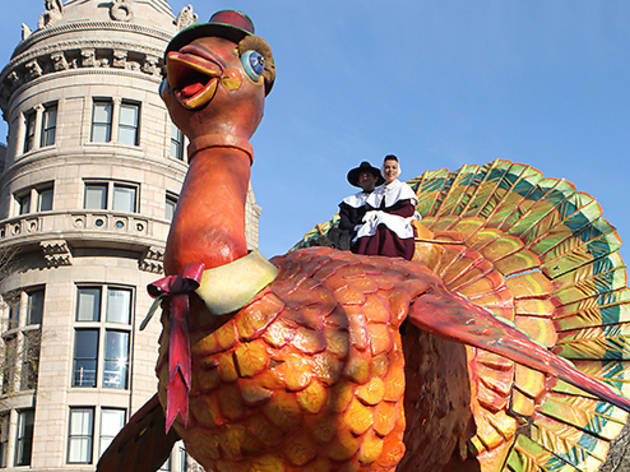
(91,176)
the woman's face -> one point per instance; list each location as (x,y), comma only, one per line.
(390,170)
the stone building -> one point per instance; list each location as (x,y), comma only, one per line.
(91,176)
(3,153)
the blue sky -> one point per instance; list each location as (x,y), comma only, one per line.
(439,83)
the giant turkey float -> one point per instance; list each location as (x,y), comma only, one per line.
(501,346)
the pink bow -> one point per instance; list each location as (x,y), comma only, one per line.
(178,289)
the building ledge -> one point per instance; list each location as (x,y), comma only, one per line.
(18,400)
(84,228)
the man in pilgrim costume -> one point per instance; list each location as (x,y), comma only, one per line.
(352,208)
(387,228)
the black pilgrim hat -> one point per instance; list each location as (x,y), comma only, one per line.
(353,174)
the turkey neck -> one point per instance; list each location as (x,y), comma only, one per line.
(209,223)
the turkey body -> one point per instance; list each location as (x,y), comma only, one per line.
(322,372)
(310,375)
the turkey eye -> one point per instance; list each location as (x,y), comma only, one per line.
(254,64)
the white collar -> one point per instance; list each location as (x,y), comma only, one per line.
(392,193)
(356,200)
(229,287)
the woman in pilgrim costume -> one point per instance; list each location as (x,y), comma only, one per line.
(352,208)
(386,228)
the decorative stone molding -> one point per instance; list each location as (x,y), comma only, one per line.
(84,27)
(59,61)
(88,58)
(76,54)
(151,65)
(120,58)
(53,13)
(86,225)
(71,46)
(14,78)
(56,252)
(105,221)
(33,69)
(19,227)
(121,11)
(152,260)
(26,31)
(186,17)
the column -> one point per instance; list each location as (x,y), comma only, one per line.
(115,118)
(39,113)
(13,418)
(18,141)
(34,196)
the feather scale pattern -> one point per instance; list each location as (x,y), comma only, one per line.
(538,253)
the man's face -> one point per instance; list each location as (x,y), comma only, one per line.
(367,181)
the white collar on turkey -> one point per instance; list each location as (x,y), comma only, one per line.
(229,287)
(357,200)
(393,193)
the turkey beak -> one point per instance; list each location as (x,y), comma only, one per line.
(193,79)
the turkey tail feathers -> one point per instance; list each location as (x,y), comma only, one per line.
(538,253)
(462,321)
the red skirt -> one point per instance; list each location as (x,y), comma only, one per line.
(384,243)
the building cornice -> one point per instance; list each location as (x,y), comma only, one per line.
(7,105)
(78,57)
(67,45)
(100,26)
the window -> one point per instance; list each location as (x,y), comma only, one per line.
(24,203)
(115,332)
(112,421)
(177,142)
(41,194)
(29,133)
(8,368)
(124,196)
(80,435)
(89,304)
(102,121)
(118,305)
(30,359)
(14,312)
(171,204)
(44,198)
(49,125)
(34,306)
(22,343)
(128,123)
(85,358)
(128,116)
(4,439)
(95,196)
(24,439)
(116,359)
